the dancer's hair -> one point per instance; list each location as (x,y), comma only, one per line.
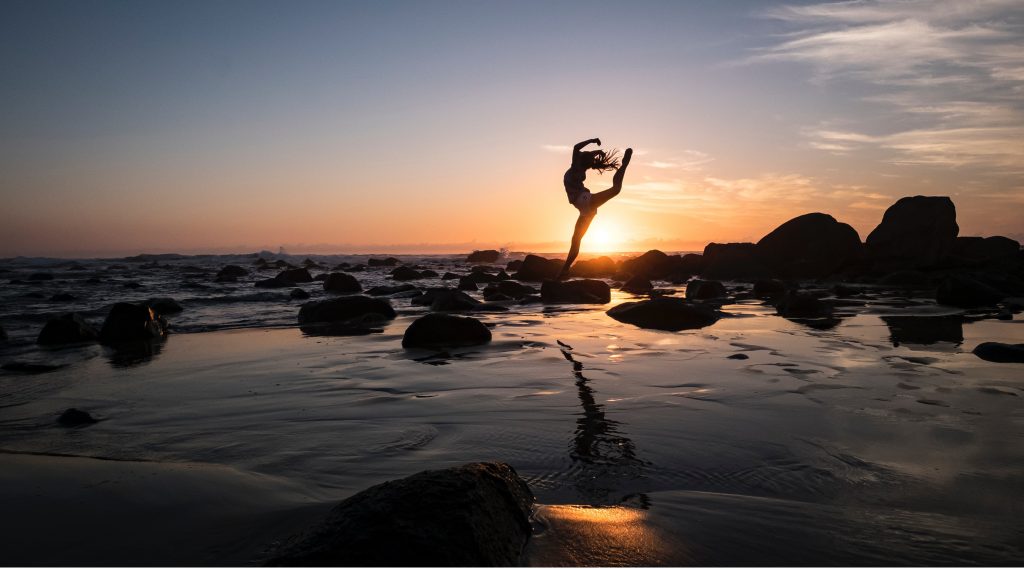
(603,161)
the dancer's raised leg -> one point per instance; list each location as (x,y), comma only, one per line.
(598,199)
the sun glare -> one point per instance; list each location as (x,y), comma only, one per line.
(603,237)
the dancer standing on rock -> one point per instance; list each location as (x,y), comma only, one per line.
(581,198)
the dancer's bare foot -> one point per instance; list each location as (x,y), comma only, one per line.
(626,156)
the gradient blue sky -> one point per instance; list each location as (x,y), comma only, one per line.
(441,126)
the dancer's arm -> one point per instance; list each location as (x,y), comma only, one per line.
(579,146)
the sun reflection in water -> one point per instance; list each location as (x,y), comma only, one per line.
(598,535)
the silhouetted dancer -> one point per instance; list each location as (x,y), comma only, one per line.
(581,198)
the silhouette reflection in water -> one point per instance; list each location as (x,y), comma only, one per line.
(605,461)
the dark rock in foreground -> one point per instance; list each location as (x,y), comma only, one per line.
(638,285)
(471,515)
(583,291)
(965,292)
(665,313)
(298,294)
(485,256)
(802,305)
(534,268)
(74,417)
(704,290)
(511,289)
(985,250)
(769,289)
(342,283)
(295,275)
(915,232)
(999,352)
(68,328)
(811,245)
(405,274)
(438,330)
(129,323)
(446,299)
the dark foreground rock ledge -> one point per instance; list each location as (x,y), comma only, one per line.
(471,515)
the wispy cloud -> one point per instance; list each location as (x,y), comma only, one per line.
(950,72)
(687,160)
(560,148)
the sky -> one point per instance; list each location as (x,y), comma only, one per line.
(446,126)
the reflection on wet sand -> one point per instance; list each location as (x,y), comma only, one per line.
(604,456)
(604,536)
(925,329)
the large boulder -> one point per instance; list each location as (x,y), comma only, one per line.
(985,250)
(915,232)
(404,273)
(68,328)
(438,330)
(594,268)
(538,269)
(769,289)
(704,290)
(511,289)
(638,285)
(665,313)
(300,275)
(732,261)
(446,300)
(999,352)
(582,291)
(345,308)
(802,305)
(231,272)
(131,323)
(342,283)
(485,256)
(812,245)
(651,265)
(965,292)
(476,515)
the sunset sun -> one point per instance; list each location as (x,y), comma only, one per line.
(604,236)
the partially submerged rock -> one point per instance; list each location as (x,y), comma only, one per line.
(594,268)
(510,289)
(130,323)
(769,289)
(346,315)
(485,256)
(404,273)
(438,330)
(68,328)
(388,290)
(704,290)
(638,285)
(300,275)
(665,313)
(342,283)
(534,268)
(965,292)
(582,291)
(471,515)
(802,305)
(298,294)
(165,305)
(74,418)
(1000,352)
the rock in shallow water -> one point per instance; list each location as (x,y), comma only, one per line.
(67,328)
(344,308)
(485,256)
(999,352)
(704,290)
(128,323)
(74,417)
(342,283)
(439,330)
(582,291)
(471,515)
(965,292)
(665,313)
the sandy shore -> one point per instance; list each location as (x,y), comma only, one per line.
(73,511)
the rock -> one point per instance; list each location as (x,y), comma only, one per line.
(295,275)
(389,262)
(536,269)
(475,515)
(68,328)
(999,352)
(651,265)
(164,305)
(445,299)
(908,278)
(449,276)
(438,330)
(986,250)
(769,289)
(509,289)
(915,232)
(582,291)
(342,282)
(514,265)
(732,261)
(665,313)
(321,277)
(965,292)
(75,418)
(388,290)
(130,323)
(467,283)
(485,256)
(594,268)
(924,330)
(638,285)
(344,308)
(801,305)
(275,282)
(846,291)
(479,277)
(739,357)
(63,297)
(232,272)
(428,273)
(405,274)
(704,290)
(813,245)
(298,294)
(502,276)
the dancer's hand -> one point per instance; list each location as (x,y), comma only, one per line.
(597,141)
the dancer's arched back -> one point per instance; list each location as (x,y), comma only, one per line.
(581,198)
